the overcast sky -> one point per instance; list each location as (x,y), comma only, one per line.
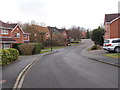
(83,13)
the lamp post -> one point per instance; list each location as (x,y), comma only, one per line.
(51,30)
(42,34)
(51,40)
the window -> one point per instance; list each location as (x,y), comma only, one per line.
(116,41)
(4,31)
(35,34)
(17,28)
(47,35)
(25,36)
(106,41)
(17,35)
(6,46)
(64,33)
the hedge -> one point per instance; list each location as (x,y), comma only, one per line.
(8,55)
(30,48)
(26,48)
(37,48)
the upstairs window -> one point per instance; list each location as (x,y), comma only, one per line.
(25,36)
(17,35)
(4,31)
(17,28)
(47,35)
(35,34)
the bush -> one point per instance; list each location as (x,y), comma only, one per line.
(95,47)
(37,48)
(15,45)
(8,55)
(26,48)
(30,48)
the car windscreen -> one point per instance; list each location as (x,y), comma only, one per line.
(106,41)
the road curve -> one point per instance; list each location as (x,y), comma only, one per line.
(68,69)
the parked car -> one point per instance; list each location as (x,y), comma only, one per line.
(112,45)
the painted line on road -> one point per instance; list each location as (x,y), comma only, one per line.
(2,81)
(21,76)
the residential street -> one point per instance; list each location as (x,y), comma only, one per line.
(69,69)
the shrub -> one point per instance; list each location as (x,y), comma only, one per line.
(8,55)
(37,48)
(26,48)
(95,47)
(15,45)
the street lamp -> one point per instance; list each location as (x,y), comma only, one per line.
(51,30)
(42,34)
(51,40)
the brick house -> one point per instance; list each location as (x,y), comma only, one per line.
(11,33)
(39,33)
(58,33)
(112,26)
(55,30)
(83,34)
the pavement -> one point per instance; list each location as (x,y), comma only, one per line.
(98,55)
(9,73)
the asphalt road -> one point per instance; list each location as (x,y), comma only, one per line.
(68,69)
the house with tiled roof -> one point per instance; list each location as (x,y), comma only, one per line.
(38,33)
(55,31)
(12,33)
(58,34)
(112,26)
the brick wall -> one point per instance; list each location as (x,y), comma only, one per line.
(114,30)
(107,31)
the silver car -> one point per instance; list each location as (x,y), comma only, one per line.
(112,45)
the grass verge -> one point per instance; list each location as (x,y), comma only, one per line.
(44,51)
(114,55)
(56,47)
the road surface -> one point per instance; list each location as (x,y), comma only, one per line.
(69,69)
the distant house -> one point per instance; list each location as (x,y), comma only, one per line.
(12,33)
(58,34)
(39,33)
(56,31)
(112,26)
(83,34)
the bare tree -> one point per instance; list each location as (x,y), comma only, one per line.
(75,33)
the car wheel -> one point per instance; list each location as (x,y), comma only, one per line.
(117,50)
(110,51)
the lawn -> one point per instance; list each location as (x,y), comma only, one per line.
(44,51)
(113,55)
(48,49)
(56,47)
